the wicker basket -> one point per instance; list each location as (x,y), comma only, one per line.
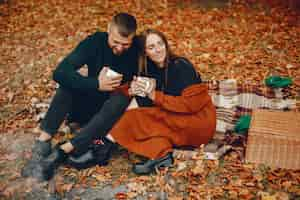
(274,139)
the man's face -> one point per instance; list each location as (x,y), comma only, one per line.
(117,42)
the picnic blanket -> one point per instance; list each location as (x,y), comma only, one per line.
(233,100)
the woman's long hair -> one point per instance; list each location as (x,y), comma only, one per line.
(142,52)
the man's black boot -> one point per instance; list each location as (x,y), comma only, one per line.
(97,153)
(40,150)
(46,168)
(103,152)
(150,165)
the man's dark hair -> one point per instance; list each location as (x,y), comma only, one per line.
(125,23)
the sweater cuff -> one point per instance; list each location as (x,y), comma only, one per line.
(159,98)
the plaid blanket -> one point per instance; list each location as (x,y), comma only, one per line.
(233,100)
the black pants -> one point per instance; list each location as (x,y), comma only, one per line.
(97,112)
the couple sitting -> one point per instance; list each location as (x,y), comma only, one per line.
(154,103)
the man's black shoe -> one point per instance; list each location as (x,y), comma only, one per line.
(82,161)
(40,150)
(74,127)
(150,165)
(103,153)
(46,168)
(98,153)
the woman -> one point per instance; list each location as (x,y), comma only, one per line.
(181,112)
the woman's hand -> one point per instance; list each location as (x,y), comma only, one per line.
(136,88)
(143,86)
(151,94)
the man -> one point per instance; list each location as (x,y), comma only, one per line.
(88,100)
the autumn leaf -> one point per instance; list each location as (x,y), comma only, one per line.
(244,40)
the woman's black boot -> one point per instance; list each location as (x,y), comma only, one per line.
(150,165)
(45,170)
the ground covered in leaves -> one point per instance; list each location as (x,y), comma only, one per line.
(243,40)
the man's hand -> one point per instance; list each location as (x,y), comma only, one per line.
(108,83)
(83,71)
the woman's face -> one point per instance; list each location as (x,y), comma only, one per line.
(156,49)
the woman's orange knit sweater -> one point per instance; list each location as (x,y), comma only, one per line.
(188,119)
